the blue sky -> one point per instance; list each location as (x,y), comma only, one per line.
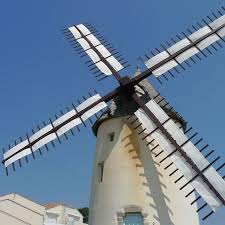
(41,74)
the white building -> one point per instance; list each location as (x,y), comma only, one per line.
(18,210)
(61,214)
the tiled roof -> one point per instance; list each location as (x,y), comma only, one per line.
(53,205)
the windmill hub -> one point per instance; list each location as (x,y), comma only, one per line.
(126,86)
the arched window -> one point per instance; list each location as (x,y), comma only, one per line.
(133,218)
(132,215)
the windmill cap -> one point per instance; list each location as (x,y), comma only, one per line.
(121,106)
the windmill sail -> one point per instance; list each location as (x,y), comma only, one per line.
(215,197)
(153,119)
(107,62)
(199,40)
(55,129)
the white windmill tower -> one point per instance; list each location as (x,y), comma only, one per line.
(148,164)
(128,182)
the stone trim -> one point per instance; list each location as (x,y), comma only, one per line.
(130,209)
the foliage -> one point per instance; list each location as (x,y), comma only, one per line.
(85,212)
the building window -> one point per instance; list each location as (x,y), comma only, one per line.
(51,218)
(73,219)
(111,136)
(133,219)
(101,171)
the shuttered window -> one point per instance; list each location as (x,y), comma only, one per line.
(51,218)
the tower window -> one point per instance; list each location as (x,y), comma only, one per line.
(111,136)
(101,171)
(133,219)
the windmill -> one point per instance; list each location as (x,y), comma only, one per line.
(140,121)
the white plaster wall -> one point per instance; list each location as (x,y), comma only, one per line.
(133,177)
(7,219)
(63,212)
(62,209)
(19,199)
(15,209)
